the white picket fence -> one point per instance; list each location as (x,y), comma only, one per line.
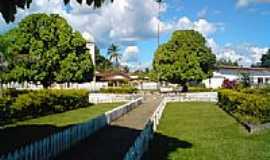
(51,146)
(91,86)
(187,97)
(111,98)
(142,142)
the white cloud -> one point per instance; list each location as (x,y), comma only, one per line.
(124,21)
(202,25)
(202,13)
(245,54)
(184,23)
(257,53)
(245,3)
(131,54)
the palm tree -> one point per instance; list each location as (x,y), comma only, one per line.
(113,54)
(158,27)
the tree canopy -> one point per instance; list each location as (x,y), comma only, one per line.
(265,60)
(8,8)
(185,57)
(44,48)
(102,64)
(226,62)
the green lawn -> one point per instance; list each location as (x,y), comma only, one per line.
(24,132)
(202,131)
(71,117)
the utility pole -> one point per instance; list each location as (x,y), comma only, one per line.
(158,26)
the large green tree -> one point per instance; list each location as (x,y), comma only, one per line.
(44,48)
(265,60)
(185,57)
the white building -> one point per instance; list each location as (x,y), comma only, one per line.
(258,76)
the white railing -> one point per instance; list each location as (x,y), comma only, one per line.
(91,86)
(141,143)
(110,98)
(200,96)
(120,111)
(51,146)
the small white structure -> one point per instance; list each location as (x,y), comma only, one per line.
(90,45)
(258,76)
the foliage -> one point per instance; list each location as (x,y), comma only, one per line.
(226,62)
(265,60)
(251,108)
(120,90)
(114,55)
(184,58)
(44,48)
(102,64)
(5,111)
(229,84)
(199,89)
(9,8)
(245,80)
(41,102)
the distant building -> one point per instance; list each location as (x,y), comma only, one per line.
(258,76)
(113,78)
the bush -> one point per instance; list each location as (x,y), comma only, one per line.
(251,108)
(5,111)
(199,89)
(43,102)
(120,90)
(12,92)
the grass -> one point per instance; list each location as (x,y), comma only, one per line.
(202,131)
(24,132)
(71,117)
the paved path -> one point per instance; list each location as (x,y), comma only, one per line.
(113,141)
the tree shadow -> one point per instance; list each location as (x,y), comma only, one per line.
(12,138)
(109,143)
(161,146)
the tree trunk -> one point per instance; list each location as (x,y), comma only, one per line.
(184,87)
(45,84)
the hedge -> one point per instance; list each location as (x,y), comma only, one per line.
(248,108)
(119,90)
(199,89)
(41,102)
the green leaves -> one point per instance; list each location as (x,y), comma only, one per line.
(45,49)
(184,58)
(266,59)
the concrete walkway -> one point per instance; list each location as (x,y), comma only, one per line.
(113,141)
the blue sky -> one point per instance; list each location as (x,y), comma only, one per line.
(234,29)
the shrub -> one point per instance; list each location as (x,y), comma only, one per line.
(199,89)
(43,102)
(251,108)
(120,90)
(5,111)
(12,92)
